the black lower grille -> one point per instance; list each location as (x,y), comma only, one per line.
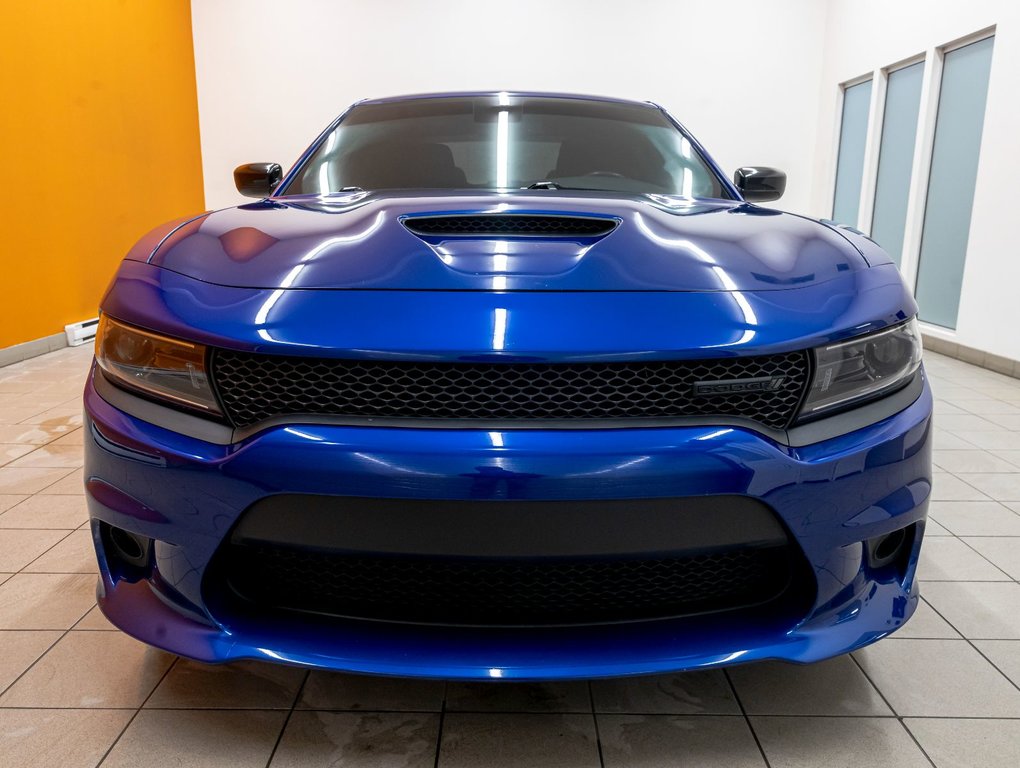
(765,389)
(505,592)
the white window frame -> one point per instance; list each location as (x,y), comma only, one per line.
(834,164)
(930,93)
(873,147)
(924,144)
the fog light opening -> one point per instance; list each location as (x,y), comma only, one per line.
(128,547)
(888,546)
(128,553)
(891,550)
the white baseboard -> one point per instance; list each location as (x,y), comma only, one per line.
(24,351)
(996,363)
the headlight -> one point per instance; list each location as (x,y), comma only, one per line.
(862,368)
(161,367)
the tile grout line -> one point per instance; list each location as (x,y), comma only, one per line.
(960,581)
(286,720)
(70,402)
(872,684)
(42,491)
(28,498)
(51,439)
(42,655)
(93,573)
(63,634)
(957,629)
(985,496)
(1004,504)
(961,476)
(13,463)
(131,719)
(23,423)
(36,446)
(913,738)
(892,709)
(1008,578)
(983,448)
(970,642)
(973,413)
(69,629)
(691,715)
(595,720)
(747,720)
(22,572)
(442,721)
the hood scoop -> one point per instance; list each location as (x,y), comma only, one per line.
(509,225)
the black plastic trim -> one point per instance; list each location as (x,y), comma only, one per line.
(508,528)
(760,184)
(164,416)
(257,179)
(845,422)
(221,434)
(123,451)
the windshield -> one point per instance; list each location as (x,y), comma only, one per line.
(507,142)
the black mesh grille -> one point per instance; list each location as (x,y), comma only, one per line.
(504,592)
(258,387)
(511,225)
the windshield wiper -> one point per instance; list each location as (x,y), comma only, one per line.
(342,191)
(557,185)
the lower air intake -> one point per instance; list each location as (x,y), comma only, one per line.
(507,592)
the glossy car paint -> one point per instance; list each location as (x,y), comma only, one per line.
(341,276)
(313,243)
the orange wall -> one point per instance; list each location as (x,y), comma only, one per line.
(99,138)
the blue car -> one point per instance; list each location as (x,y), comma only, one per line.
(507,385)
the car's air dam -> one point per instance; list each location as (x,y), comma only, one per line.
(507,562)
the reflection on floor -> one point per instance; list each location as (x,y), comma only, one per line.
(943,691)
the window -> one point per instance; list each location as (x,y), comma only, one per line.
(853,136)
(508,142)
(952,180)
(895,159)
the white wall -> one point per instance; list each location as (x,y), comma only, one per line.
(272,74)
(865,35)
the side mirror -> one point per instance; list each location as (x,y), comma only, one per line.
(760,184)
(257,179)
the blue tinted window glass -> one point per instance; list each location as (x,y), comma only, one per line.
(895,158)
(853,134)
(952,180)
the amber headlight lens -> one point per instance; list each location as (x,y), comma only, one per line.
(165,368)
(862,369)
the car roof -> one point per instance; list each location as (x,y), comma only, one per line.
(525,94)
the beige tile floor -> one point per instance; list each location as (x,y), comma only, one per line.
(943,692)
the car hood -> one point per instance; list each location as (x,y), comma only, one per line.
(360,241)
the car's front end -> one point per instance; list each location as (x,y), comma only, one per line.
(507,434)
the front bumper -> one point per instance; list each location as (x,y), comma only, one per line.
(186,494)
